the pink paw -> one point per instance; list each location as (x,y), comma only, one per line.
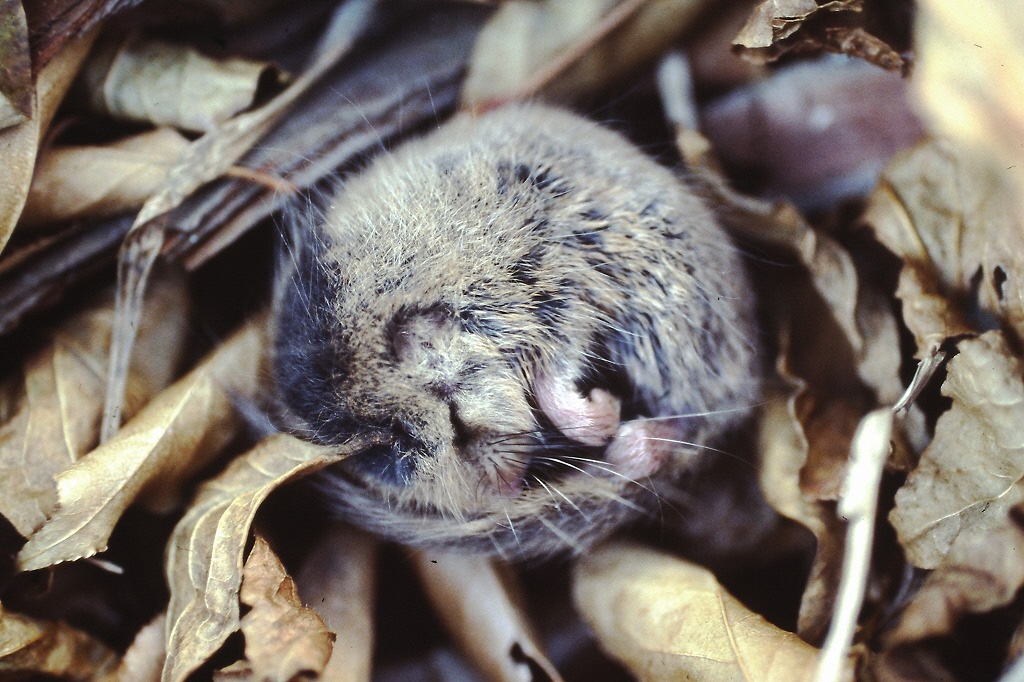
(591,420)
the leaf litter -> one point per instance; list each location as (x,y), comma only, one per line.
(846,320)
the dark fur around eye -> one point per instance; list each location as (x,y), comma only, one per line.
(308,363)
(387,463)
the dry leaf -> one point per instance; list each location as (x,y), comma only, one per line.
(16,75)
(518,46)
(57,416)
(181,430)
(31,648)
(204,554)
(956,227)
(145,657)
(860,311)
(205,159)
(776,27)
(20,144)
(338,580)
(93,182)
(170,85)
(478,605)
(981,572)
(283,639)
(813,131)
(667,619)
(775,20)
(969,79)
(971,473)
(835,334)
(784,453)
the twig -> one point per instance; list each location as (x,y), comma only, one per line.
(543,76)
(859,504)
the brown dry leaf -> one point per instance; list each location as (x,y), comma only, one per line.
(145,657)
(205,159)
(20,144)
(16,75)
(170,85)
(969,79)
(178,432)
(981,572)
(517,49)
(284,640)
(836,335)
(955,225)
(478,603)
(338,580)
(970,475)
(31,648)
(94,182)
(775,20)
(57,416)
(204,554)
(860,311)
(776,27)
(784,452)
(668,619)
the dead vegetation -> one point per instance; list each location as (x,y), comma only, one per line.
(867,156)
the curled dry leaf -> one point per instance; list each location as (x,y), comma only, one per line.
(95,182)
(982,571)
(283,639)
(836,335)
(181,430)
(31,648)
(145,656)
(205,551)
(972,472)
(478,603)
(338,580)
(56,416)
(170,85)
(956,226)
(776,27)
(860,311)
(19,144)
(596,45)
(784,451)
(205,159)
(16,75)
(668,619)
(775,20)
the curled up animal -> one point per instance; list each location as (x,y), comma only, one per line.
(542,326)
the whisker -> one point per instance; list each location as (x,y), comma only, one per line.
(709,413)
(564,497)
(699,446)
(562,535)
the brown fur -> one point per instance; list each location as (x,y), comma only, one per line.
(450,278)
